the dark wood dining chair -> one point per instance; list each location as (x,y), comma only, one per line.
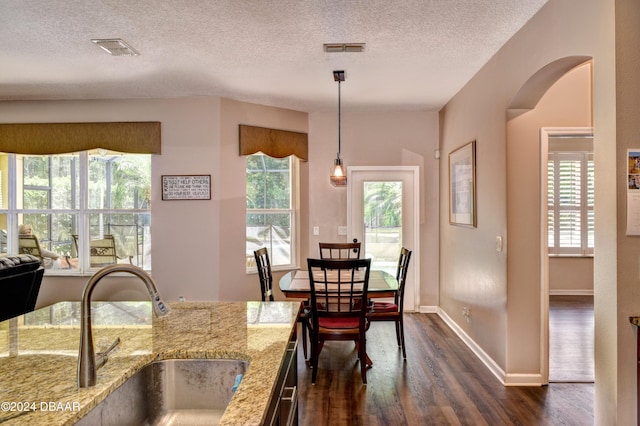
(392,311)
(263,264)
(339,308)
(339,250)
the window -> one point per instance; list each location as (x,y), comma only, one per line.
(76,203)
(270,217)
(570,193)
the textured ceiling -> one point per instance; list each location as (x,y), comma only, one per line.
(418,53)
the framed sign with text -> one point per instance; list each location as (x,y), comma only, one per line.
(186,187)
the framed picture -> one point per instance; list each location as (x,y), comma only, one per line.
(186,187)
(462,185)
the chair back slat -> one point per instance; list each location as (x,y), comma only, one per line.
(339,250)
(338,287)
(263,264)
(401,275)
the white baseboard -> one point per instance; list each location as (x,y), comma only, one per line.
(498,372)
(560,292)
(523,380)
(428,309)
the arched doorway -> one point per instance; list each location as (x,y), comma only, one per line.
(550,98)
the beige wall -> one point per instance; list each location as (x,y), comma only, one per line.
(190,133)
(566,104)
(197,138)
(615,330)
(571,275)
(505,318)
(197,246)
(370,139)
(235,283)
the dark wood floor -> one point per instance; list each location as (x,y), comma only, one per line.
(571,339)
(441,383)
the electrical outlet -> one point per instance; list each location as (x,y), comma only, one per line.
(342,230)
(466,313)
(316,230)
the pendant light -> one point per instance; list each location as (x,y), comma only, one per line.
(338,176)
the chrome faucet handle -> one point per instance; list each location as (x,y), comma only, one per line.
(103,357)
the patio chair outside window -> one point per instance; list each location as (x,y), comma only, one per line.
(102,252)
(28,244)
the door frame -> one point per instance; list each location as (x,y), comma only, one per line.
(415,172)
(545,134)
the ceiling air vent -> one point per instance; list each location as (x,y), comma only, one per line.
(115,46)
(343,47)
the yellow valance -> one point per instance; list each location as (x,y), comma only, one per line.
(60,138)
(272,142)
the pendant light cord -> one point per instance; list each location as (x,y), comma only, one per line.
(339,118)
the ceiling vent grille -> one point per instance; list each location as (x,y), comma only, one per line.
(115,46)
(343,47)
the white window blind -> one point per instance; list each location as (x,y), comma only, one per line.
(570,198)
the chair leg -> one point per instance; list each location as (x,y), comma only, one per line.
(398,333)
(316,348)
(362,354)
(304,339)
(314,359)
(400,325)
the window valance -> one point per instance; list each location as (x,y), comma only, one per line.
(60,138)
(272,142)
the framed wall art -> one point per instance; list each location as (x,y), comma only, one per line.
(462,185)
(186,187)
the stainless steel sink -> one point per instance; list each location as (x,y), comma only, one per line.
(171,392)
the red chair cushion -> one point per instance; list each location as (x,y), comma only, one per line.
(385,307)
(339,322)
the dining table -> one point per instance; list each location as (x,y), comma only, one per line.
(295,284)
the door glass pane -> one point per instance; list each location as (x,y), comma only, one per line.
(382,224)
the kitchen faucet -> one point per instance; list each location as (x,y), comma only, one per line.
(87,362)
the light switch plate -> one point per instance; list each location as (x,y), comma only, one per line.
(498,243)
(316,230)
(342,230)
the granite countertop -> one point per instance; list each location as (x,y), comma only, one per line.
(39,353)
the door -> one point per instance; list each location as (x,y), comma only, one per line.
(383,213)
